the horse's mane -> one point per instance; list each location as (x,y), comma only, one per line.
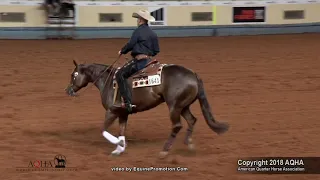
(100,64)
(95,69)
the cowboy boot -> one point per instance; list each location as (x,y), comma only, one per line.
(126,103)
(127,106)
(127,100)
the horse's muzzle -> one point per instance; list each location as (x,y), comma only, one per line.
(69,90)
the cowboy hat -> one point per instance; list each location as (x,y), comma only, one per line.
(144,14)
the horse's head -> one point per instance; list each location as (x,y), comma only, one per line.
(79,79)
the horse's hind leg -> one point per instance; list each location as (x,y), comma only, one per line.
(176,127)
(191,120)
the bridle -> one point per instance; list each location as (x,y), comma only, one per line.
(70,86)
(106,71)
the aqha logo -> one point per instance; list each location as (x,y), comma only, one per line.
(294,162)
(40,164)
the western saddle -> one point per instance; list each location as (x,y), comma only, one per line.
(140,78)
(151,68)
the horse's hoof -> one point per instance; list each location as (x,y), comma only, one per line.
(119,150)
(116,153)
(191,147)
(163,154)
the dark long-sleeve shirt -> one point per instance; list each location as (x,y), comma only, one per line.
(142,41)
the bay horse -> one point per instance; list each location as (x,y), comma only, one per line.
(175,85)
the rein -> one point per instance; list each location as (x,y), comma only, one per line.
(103,73)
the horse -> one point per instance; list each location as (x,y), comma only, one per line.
(177,86)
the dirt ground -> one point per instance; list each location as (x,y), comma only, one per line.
(266,87)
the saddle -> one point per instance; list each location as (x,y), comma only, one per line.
(146,77)
(150,69)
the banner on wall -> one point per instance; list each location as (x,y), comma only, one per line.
(160,14)
(248,14)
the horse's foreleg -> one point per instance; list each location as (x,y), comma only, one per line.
(122,140)
(109,120)
(191,120)
(176,127)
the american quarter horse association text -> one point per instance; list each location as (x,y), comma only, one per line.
(178,86)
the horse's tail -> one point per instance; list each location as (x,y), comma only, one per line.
(216,126)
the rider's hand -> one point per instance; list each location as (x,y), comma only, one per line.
(119,52)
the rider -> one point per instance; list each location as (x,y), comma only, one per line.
(143,45)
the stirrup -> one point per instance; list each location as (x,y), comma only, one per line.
(123,105)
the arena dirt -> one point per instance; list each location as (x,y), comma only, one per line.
(266,87)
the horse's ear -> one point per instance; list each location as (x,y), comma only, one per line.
(75,63)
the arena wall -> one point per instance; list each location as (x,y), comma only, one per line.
(34,16)
(106,19)
(275,13)
(173,15)
(311,13)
